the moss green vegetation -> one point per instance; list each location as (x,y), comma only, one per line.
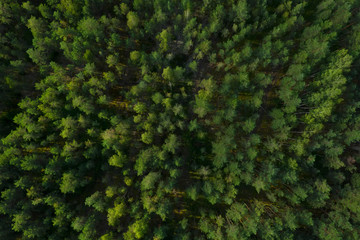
(179,119)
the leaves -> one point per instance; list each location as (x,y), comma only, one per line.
(236,119)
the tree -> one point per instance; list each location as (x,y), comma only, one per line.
(164,37)
(91,28)
(132,20)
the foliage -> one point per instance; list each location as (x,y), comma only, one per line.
(183,119)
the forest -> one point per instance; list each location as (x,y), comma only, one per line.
(179,119)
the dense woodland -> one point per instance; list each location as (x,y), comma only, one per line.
(179,119)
